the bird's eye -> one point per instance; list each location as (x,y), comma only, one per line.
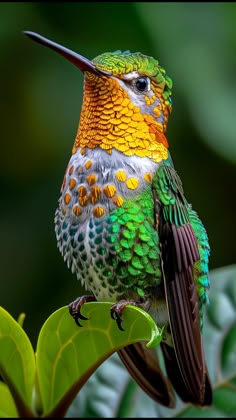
(141,84)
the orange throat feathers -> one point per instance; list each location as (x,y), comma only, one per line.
(110,120)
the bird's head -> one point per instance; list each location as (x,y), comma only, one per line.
(127,101)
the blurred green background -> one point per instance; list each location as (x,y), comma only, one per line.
(40,103)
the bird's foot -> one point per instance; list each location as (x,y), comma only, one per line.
(117,309)
(76,305)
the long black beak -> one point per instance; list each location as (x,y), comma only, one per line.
(78,60)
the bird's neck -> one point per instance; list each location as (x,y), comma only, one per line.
(109,120)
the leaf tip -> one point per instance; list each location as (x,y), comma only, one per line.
(156,337)
(21,319)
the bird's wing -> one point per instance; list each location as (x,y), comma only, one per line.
(180,253)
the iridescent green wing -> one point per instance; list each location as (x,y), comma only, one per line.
(135,243)
(185,250)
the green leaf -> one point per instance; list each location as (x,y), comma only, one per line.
(21,319)
(17,362)
(67,355)
(100,396)
(7,405)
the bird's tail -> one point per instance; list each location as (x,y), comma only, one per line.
(143,365)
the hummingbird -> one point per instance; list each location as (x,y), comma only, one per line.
(124,226)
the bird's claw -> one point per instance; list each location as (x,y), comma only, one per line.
(75,307)
(116,311)
(116,316)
